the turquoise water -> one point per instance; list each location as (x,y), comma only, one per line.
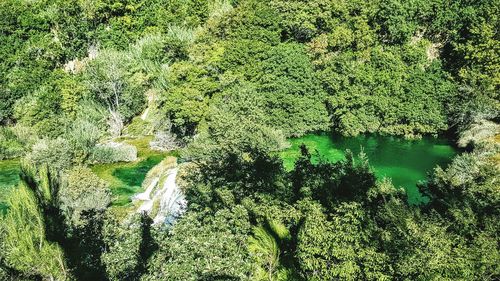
(125,179)
(9,177)
(406,162)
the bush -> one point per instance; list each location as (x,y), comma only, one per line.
(164,141)
(113,152)
(83,192)
(10,146)
(23,245)
(83,137)
(54,153)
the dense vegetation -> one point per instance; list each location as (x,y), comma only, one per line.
(225,83)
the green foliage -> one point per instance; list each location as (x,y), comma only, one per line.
(339,248)
(53,201)
(332,183)
(204,255)
(186,100)
(72,93)
(111,78)
(233,151)
(266,245)
(129,245)
(283,75)
(466,191)
(302,19)
(115,152)
(232,79)
(55,153)
(399,19)
(38,37)
(389,91)
(23,243)
(266,251)
(42,111)
(10,145)
(82,192)
(251,20)
(83,137)
(473,51)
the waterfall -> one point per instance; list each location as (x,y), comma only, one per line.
(146,194)
(172,201)
(144,115)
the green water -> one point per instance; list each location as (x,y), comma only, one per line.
(406,162)
(125,179)
(9,177)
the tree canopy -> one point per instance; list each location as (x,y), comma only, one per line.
(94,94)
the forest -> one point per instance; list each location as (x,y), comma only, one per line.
(193,140)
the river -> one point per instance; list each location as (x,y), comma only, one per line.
(406,162)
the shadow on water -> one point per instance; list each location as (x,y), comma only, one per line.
(406,162)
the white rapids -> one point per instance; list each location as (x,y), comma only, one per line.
(146,194)
(171,200)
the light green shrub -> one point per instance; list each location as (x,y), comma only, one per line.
(82,191)
(113,152)
(23,245)
(54,153)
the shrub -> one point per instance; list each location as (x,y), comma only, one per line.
(23,245)
(10,146)
(113,152)
(83,192)
(83,137)
(54,153)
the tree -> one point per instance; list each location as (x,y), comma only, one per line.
(332,183)
(302,20)
(390,93)
(339,247)
(186,100)
(129,245)
(283,75)
(250,20)
(82,192)
(194,250)
(111,79)
(234,149)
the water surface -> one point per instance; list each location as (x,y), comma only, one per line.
(406,162)
(9,177)
(125,179)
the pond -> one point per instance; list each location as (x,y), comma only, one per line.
(406,162)
(9,177)
(125,179)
